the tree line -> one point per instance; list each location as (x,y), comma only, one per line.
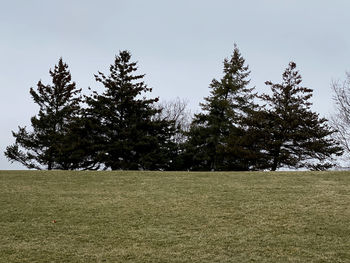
(125,128)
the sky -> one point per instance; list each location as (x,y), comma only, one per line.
(179,45)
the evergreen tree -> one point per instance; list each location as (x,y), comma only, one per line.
(125,133)
(59,107)
(216,135)
(295,136)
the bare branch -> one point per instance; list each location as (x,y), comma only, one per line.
(340,120)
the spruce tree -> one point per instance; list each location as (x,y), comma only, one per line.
(215,136)
(295,136)
(46,146)
(124,129)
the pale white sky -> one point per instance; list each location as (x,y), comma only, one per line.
(180,46)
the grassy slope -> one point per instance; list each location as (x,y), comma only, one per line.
(174,217)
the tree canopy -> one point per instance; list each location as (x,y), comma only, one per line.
(124,128)
(59,106)
(127,135)
(296,136)
(216,134)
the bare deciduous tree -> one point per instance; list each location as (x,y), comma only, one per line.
(176,110)
(340,120)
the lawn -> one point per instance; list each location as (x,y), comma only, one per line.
(60,216)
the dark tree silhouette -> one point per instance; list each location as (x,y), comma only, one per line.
(295,136)
(216,135)
(126,134)
(59,107)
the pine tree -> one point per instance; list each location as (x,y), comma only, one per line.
(295,136)
(126,134)
(216,133)
(59,107)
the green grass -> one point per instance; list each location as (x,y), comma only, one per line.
(174,217)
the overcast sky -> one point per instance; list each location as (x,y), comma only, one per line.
(179,45)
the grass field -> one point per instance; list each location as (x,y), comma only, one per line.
(174,217)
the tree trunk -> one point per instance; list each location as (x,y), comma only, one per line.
(274,165)
(276,159)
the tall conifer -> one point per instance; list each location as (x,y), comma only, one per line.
(46,146)
(295,136)
(126,133)
(221,124)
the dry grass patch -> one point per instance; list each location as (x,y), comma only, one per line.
(174,217)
